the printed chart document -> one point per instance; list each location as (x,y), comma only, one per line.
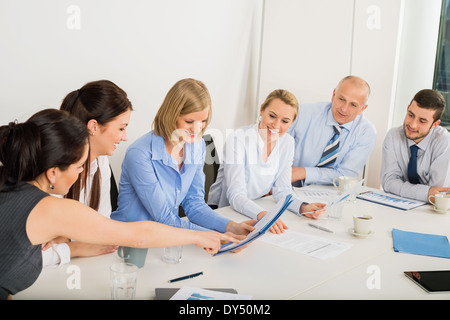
(330,197)
(310,245)
(421,243)
(390,200)
(189,293)
(315,195)
(261,226)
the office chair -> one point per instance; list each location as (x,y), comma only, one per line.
(210,168)
(114,193)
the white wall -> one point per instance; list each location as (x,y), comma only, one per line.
(308,46)
(145,46)
(417,51)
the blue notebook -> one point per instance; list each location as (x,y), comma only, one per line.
(421,243)
(261,226)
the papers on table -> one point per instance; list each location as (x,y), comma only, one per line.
(315,195)
(189,293)
(330,197)
(421,243)
(390,200)
(310,245)
(261,226)
(345,194)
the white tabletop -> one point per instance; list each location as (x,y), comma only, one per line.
(265,271)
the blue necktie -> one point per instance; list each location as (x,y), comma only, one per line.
(413,177)
(330,152)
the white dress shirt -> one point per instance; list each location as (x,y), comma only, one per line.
(243,175)
(433,163)
(59,254)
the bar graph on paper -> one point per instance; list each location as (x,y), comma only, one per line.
(390,200)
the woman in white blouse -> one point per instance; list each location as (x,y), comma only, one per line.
(106,110)
(257,161)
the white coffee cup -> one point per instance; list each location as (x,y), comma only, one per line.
(362,224)
(441,201)
(346,183)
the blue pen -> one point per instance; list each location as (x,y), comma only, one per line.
(186,277)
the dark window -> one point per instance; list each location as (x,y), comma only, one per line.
(442,70)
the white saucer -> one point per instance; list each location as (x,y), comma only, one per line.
(352,231)
(440,211)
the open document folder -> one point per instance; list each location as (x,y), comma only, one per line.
(261,226)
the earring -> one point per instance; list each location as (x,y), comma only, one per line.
(52,187)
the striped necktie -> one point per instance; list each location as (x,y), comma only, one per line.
(330,152)
(413,177)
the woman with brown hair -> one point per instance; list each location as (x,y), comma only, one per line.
(105,110)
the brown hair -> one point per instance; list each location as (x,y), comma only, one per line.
(50,138)
(432,100)
(102,101)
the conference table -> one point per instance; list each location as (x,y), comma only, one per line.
(369,269)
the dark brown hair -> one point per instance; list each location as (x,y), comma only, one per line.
(50,138)
(432,100)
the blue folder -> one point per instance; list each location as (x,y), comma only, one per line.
(421,243)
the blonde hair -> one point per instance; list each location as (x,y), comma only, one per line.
(186,96)
(285,96)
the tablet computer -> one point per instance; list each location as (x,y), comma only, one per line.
(431,281)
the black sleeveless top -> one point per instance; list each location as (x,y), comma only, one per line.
(20,261)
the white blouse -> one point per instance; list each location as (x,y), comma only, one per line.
(244,176)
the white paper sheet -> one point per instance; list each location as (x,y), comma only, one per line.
(317,247)
(190,293)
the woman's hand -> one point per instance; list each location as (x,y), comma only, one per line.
(56,240)
(278,227)
(211,241)
(242,228)
(313,210)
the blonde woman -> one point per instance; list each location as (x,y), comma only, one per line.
(164,168)
(257,160)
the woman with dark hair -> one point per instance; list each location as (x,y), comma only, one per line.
(45,155)
(105,110)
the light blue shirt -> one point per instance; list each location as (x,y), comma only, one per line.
(244,176)
(151,186)
(433,163)
(312,131)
